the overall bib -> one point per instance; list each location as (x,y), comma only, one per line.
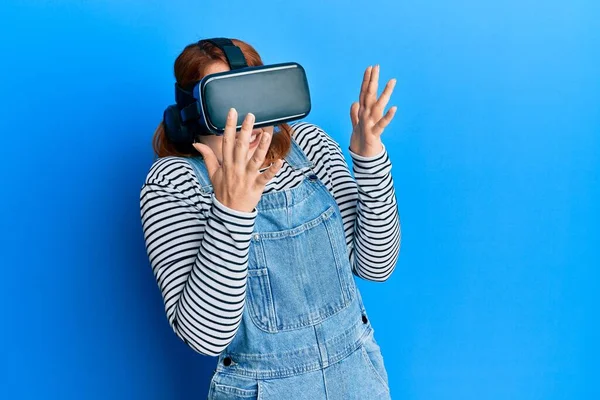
(304,332)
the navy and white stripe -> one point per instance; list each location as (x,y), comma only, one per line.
(198,248)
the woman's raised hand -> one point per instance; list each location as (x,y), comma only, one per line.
(237,183)
(368,120)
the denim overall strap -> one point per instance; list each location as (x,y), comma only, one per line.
(295,157)
(201,173)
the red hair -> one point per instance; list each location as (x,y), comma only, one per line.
(189,67)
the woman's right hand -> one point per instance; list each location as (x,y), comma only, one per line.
(237,183)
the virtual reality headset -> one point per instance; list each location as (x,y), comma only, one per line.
(275,94)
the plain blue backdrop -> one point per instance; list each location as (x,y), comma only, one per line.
(495,152)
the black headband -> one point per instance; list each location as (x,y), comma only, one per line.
(234,55)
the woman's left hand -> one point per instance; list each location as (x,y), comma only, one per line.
(368,121)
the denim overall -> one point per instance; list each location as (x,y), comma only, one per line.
(304,332)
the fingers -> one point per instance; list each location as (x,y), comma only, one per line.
(268,174)
(210,159)
(371,94)
(364,86)
(259,154)
(354,113)
(380,104)
(240,151)
(229,136)
(387,118)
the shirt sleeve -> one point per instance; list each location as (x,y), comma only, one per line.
(377,231)
(198,250)
(367,201)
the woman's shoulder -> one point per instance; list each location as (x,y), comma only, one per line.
(170,170)
(312,136)
(302,129)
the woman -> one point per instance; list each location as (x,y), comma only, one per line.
(254,239)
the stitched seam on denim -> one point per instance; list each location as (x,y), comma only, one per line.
(235,390)
(320,315)
(279,373)
(335,231)
(372,367)
(351,347)
(342,337)
(261,274)
(324,216)
(282,373)
(260,391)
(306,196)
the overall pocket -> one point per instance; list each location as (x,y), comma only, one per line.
(374,359)
(302,275)
(232,387)
(260,300)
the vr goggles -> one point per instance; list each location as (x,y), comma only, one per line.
(275,94)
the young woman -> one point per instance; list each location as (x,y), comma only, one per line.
(255,237)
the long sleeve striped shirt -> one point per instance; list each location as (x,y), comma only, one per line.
(194,242)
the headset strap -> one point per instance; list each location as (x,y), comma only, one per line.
(182,96)
(233,53)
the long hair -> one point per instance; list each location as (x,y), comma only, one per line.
(189,67)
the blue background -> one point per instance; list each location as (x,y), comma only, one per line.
(495,152)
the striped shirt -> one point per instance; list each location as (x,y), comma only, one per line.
(198,248)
